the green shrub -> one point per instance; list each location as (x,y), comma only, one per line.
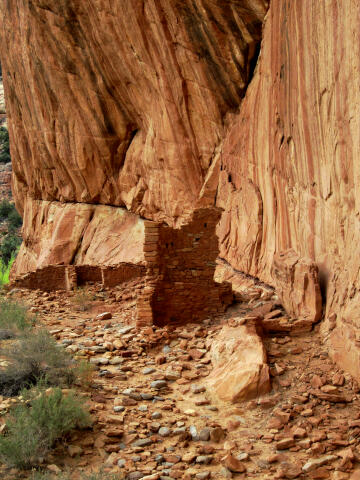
(5,208)
(4,145)
(34,356)
(14,316)
(83,373)
(9,247)
(5,270)
(33,431)
(14,220)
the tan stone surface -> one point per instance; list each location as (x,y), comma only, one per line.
(239,360)
(83,234)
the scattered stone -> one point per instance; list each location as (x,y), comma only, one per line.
(148,370)
(233,464)
(314,463)
(158,384)
(204,459)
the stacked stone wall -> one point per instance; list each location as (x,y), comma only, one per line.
(88,273)
(180,284)
(124,272)
(53,277)
(68,277)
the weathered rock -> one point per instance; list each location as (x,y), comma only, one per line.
(297,285)
(295,183)
(240,370)
(318,462)
(233,464)
(56,233)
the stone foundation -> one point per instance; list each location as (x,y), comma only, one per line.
(69,277)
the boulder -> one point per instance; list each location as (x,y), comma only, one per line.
(239,364)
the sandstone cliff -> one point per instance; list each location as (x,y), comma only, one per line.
(154,107)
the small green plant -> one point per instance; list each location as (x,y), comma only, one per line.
(33,431)
(82,299)
(5,209)
(83,373)
(5,270)
(35,355)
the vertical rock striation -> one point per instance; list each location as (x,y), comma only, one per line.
(290,169)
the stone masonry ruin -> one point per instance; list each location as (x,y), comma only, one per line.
(178,272)
(179,285)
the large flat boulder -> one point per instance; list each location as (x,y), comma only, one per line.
(240,369)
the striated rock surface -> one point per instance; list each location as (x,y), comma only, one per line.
(141,105)
(123,102)
(290,170)
(297,285)
(240,371)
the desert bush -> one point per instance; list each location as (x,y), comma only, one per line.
(9,247)
(14,316)
(82,299)
(5,209)
(32,431)
(83,373)
(14,220)
(5,270)
(4,145)
(32,357)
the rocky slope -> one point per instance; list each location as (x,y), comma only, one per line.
(139,105)
(158,416)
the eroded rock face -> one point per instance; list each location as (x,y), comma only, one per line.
(239,361)
(297,285)
(123,102)
(295,147)
(79,234)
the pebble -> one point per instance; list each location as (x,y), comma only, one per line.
(148,370)
(194,433)
(197,388)
(119,408)
(146,396)
(158,384)
(204,459)
(143,442)
(314,463)
(135,476)
(204,434)
(164,431)
(202,475)
(156,415)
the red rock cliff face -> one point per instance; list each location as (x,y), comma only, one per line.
(123,102)
(290,160)
(138,104)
